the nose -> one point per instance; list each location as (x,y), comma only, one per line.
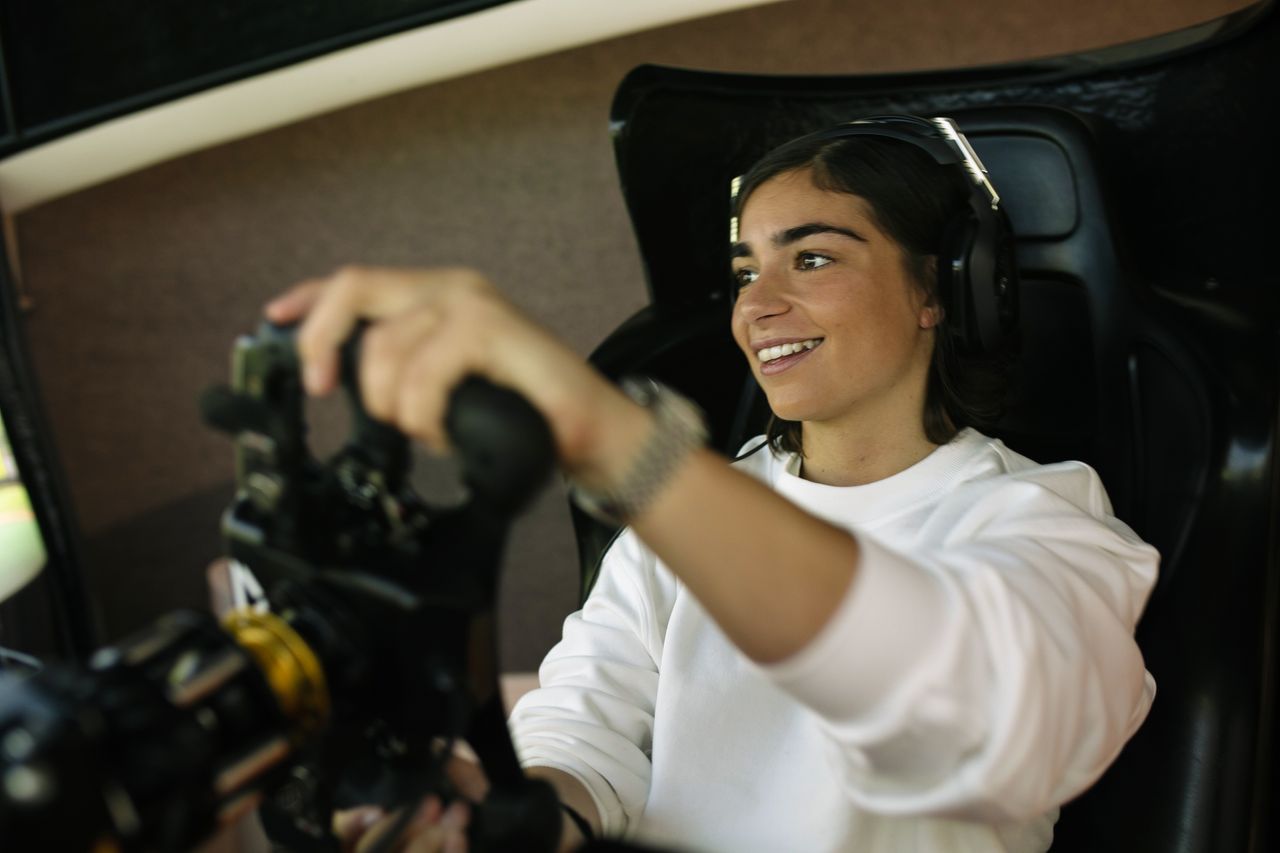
(763,298)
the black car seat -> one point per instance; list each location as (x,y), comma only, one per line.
(1141,186)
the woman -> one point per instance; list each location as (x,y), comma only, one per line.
(883,631)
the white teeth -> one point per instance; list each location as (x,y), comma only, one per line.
(770,353)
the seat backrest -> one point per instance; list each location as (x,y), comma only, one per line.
(1149,350)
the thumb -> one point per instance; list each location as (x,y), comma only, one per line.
(351,824)
(468,778)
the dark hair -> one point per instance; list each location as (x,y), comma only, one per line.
(913,199)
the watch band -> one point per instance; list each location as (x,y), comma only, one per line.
(678,429)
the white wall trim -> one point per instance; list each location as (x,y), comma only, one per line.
(485,39)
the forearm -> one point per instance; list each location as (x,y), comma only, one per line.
(574,795)
(770,574)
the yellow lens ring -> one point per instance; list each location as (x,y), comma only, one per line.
(291,668)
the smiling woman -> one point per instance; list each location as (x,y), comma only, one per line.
(875,640)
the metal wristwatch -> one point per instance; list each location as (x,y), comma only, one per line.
(679,428)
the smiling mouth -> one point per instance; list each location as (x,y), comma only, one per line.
(771,354)
(774,360)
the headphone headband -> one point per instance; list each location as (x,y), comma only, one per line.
(940,136)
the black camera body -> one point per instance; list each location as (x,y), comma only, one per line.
(371,653)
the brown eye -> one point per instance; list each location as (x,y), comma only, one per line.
(811,261)
(745,276)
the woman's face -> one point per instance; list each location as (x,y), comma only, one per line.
(834,328)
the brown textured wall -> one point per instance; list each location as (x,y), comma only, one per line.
(141,284)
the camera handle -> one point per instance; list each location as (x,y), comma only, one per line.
(505,444)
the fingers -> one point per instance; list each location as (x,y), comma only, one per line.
(332,306)
(447,833)
(351,825)
(426,335)
(386,353)
(294,303)
(330,319)
(433,828)
(429,375)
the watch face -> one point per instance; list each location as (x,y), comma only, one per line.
(642,389)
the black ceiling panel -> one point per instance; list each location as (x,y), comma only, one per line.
(71,63)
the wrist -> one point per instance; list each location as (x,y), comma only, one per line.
(648,439)
(619,432)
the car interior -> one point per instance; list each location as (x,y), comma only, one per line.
(1141,184)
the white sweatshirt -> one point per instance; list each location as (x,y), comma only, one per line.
(980,671)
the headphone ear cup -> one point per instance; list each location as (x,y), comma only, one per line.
(955,281)
(1006,283)
(984,281)
(984,295)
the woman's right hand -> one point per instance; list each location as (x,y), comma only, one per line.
(427,330)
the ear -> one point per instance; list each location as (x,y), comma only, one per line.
(930,313)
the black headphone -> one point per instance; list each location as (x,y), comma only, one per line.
(977,273)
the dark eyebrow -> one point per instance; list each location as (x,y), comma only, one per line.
(792,235)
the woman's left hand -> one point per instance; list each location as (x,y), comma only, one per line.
(428,329)
(434,826)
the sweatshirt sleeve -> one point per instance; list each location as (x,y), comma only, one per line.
(986,669)
(592,715)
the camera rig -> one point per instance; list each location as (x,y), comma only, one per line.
(373,652)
